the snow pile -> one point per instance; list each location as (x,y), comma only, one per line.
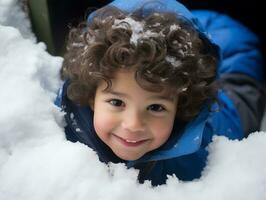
(12,15)
(37,163)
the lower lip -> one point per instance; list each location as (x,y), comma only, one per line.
(129,144)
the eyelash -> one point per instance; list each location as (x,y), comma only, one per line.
(161,108)
(114,102)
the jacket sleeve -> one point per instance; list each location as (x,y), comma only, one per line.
(241,70)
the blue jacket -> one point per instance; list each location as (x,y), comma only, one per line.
(184,154)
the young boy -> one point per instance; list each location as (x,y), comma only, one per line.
(141,86)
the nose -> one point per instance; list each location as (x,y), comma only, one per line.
(133,122)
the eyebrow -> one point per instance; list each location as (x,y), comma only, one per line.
(159,97)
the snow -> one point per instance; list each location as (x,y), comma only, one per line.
(174,27)
(11,15)
(136,27)
(171,59)
(38,163)
(128,22)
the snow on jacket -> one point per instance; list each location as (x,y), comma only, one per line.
(184,154)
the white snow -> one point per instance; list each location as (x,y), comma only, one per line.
(136,27)
(11,15)
(171,59)
(38,163)
(174,27)
(128,22)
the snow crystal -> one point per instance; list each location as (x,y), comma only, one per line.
(78,44)
(78,130)
(136,27)
(184,89)
(156,24)
(71,116)
(171,59)
(181,52)
(174,27)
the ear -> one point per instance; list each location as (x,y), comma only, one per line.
(91,104)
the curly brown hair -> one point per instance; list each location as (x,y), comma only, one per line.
(164,49)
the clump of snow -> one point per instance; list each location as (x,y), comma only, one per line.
(136,27)
(38,163)
(174,27)
(171,59)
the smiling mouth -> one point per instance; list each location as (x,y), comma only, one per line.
(130,143)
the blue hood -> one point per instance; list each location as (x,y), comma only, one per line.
(153,5)
(150,6)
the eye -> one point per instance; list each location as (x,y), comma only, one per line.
(116,102)
(156,108)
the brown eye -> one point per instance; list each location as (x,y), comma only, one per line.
(116,102)
(156,108)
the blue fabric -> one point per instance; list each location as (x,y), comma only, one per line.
(239,46)
(187,157)
(151,6)
(184,154)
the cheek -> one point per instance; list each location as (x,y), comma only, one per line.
(163,130)
(103,123)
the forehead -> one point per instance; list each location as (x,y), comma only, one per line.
(124,81)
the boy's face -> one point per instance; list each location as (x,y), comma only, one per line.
(130,120)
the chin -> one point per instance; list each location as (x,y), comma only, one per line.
(129,158)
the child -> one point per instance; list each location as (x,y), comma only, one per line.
(141,86)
